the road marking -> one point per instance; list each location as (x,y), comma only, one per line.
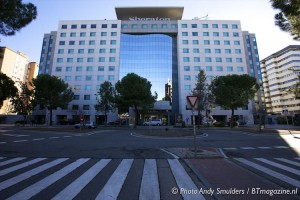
(28,174)
(222,153)
(37,139)
(20,141)
(183,180)
(230,148)
(76,186)
(67,136)
(53,138)
(168,152)
(280,166)
(150,185)
(3,142)
(270,172)
(264,147)
(288,161)
(247,148)
(113,186)
(20,166)
(34,189)
(281,147)
(11,161)
(14,135)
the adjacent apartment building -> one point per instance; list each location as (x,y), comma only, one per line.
(16,66)
(279,72)
(155,43)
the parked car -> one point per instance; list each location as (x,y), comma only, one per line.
(86,124)
(153,122)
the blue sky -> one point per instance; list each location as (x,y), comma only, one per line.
(256,16)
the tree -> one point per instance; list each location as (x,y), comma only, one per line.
(288,18)
(106,102)
(15,15)
(134,91)
(51,92)
(202,91)
(233,91)
(23,101)
(7,88)
(295,89)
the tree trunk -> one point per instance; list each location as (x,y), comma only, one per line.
(50,115)
(232,118)
(136,116)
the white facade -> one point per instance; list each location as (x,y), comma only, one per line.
(278,77)
(87,52)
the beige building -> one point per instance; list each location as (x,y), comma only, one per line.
(16,66)
(278,77)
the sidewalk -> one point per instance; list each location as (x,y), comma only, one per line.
(229,181)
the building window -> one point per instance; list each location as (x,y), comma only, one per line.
(58,69)
(217,50)
(77,87)
(229,68)
(225,34)
(186,59)
(78,69)
(81,42)
(216,42)
(63,34)
(205,33)
(124,26)
(134,26)
(102,50)
(185,50)
(112,51)
(235,34)
(64,26)
(87,97)
(92,34)
(229,60)
(103,33)
(87,87)
(194,33)
(89,68)
(187,87)
(60,51)
(240,69)
(228,51)
(183,25)
(184,33)
(61,42)
(93,25)
(216,34)
(76,97)
(86,107)
(207,59)
(114,26)
(204,25)
(113,42)
(77,78)
(91,50)
(92,42)
(236,42)
(215,26)
(103,42)
(112,59)
(187,77)
(234,26)
(75,107)
(186,68)
(218,59)
(239,60)
(238,51)
(208,68)
(206,42)
(90,59)
(101,68)
(113,34)
(154,26)
(111,77)
(207,50)
(194,25)
(59,60)
(68,69)
(111,68)
(100,78)
(196,50)
(195,41)
(73,34)
(71,42)
(144,26)
(196,59)
(83,26)
(226,42)
(185,41)
(79,60)
(219,68)
(73,26)
(88,78)
(70,51)
(225,26)
(174,26)
(67,78)
(101,59)
(104,26)
(80,51)
(197,68)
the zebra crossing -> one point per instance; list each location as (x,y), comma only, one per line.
(90,178)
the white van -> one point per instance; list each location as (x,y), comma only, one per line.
(153,122)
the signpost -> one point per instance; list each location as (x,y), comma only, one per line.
(192,101)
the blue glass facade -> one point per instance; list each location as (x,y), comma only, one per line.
(149,56)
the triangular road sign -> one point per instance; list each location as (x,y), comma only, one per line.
(192,100)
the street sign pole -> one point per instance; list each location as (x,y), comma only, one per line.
(192,100)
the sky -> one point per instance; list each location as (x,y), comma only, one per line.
(256,16)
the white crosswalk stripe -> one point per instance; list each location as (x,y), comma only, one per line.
(278,168)
(34,177)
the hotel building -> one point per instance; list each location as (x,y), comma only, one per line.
(155,43)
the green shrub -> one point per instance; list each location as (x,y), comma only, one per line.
(219,124)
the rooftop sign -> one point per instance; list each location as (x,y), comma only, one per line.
(149,13)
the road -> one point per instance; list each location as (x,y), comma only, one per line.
(116,164)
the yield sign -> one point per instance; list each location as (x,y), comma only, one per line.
(192,100)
